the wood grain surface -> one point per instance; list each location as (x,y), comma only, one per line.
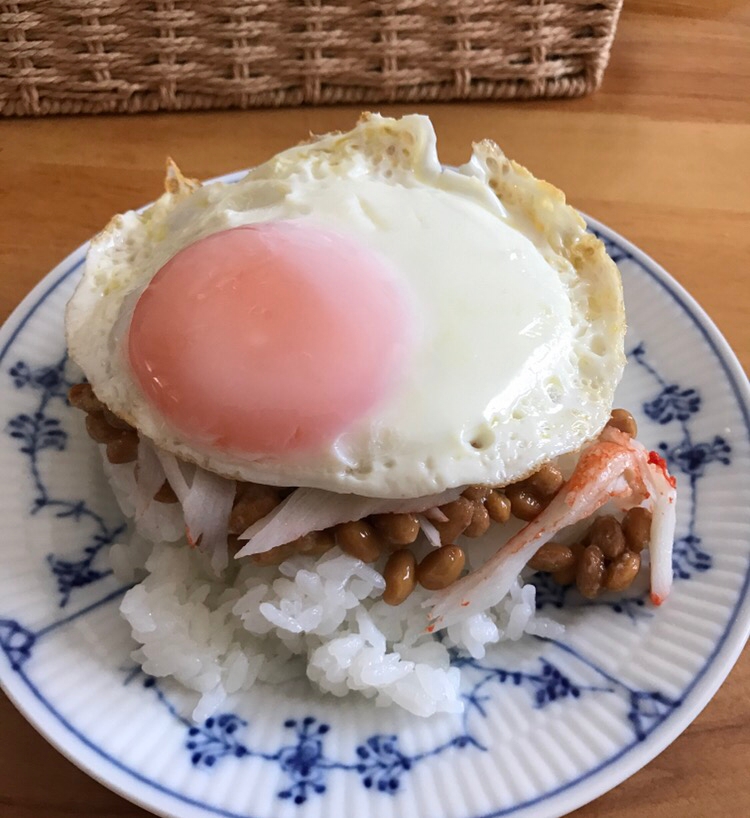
(661,154)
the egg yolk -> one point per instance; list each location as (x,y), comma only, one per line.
(269,338)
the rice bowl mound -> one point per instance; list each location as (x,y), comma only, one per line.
(218,635)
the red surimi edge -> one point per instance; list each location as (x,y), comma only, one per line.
(655,459)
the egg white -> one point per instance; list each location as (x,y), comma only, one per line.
(519,310)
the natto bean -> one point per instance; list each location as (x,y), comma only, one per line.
(546,482)
(622,419)
(621,573)
(552,557)
(398,529)
(358,539)
(636,526)
(480,521)
(441,568)
(400,575)
(98,428)
(252,503)
(459,514)
(82,396)
(590,572)
(477,494)
(567,576)
(123,448)
(498,506)
(524,504)
(606,533)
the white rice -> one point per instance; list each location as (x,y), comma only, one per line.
(323,617)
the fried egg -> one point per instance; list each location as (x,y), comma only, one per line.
(354,316)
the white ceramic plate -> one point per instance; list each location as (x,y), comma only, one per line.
(548,725)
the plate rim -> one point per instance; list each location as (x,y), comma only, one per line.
(157,798)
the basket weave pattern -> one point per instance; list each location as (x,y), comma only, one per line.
(93,56)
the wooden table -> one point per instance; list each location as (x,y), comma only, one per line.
(661,153)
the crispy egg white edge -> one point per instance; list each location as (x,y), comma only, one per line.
(536,207)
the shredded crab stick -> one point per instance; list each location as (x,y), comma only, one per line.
(615,467)
(307,510)
(662,501)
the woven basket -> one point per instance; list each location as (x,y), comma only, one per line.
(93,56)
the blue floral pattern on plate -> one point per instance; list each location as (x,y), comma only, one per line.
(379,761)
(41,429)
(303,758)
